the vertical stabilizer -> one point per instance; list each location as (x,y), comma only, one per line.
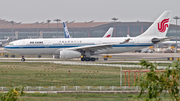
(66,32)
(109,33)
(160,27)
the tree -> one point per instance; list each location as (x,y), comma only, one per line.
(14,94)
(155,83)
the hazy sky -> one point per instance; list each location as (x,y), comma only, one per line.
(30,11)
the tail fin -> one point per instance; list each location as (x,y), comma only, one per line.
(7,38)
(160,26)
(108,33)
(66,32)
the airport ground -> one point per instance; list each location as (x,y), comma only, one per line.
(87,97)
(115,57)
(41,72)
(48,74)
(25,74)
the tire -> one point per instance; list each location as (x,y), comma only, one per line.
(93,59)
(82,59)
(88,59)
(22,59)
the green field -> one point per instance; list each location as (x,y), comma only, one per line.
(86,97)
(47,74)
(79,97)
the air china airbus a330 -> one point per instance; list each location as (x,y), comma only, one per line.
(68,48)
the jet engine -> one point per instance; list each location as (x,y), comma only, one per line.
(55,56)
(69,54)
(155,40)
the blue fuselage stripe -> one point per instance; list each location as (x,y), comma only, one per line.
(70,46)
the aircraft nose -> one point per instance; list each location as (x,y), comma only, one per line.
(5,47)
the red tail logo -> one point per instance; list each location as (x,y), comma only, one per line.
(108,36)
(163,25)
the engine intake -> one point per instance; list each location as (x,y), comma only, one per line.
(155,40)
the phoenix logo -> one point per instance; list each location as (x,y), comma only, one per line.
(108,36)
(163,25)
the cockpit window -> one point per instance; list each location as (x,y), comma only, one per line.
(11,43)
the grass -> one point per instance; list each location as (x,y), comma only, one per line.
(86,97)
(47,74)
(78,97)
(24,73)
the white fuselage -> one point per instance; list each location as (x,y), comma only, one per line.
(52,46)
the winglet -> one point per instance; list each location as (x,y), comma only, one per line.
(125,41)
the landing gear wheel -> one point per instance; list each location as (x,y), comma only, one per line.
(23,59)
(82,59)
(88,59)
(93,59)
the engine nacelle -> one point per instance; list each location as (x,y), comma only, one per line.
(55,56)
(69,54)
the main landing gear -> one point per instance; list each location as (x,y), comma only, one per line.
(87,59)
(87,56)
(23,59)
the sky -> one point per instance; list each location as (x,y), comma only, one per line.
(30,11)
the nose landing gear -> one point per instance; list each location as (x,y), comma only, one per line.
(23,59)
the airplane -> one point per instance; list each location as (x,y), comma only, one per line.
(128,36)
(69,48)
(67,35)
(170,43)
(2,40)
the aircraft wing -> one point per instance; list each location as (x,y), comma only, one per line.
(98,46)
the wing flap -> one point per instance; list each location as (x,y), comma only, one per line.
(99,46)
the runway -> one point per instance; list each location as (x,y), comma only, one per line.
(127,57)
(2,50)
(147,56)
